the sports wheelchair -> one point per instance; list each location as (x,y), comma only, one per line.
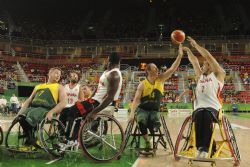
(160,136)
(16,141)
(105,130)
(51,137)
(222,146)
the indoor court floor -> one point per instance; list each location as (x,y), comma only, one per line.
(240,124)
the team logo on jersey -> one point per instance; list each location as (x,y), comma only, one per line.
(206,80)
(152,95)
(72,94)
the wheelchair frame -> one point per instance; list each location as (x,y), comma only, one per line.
(227,144)
(54,135)
(135,133)
(81,132)
(20,140)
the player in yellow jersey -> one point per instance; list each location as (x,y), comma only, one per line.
(148,97)
(46,100)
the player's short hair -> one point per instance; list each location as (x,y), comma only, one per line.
(114,58)
(54,68)
(74,72)
(148,68)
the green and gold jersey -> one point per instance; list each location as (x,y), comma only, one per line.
(46,95)
(151,95)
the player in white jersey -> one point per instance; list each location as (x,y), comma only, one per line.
(207,103)
(74,93)
(109,88)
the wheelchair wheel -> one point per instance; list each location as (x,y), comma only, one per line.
(167,134)
(89,139)
(109,146)
(16,141)
(51,134)
(231,140)
(128,132)
(183,137)
(1,135)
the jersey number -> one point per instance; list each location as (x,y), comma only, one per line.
(202,89)
(70,101)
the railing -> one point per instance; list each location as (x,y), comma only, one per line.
(129,47)
(37,78)
(119,40)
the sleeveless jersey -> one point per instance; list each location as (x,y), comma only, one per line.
(208,92)
(72,94)
(46,95)
(151,95)
(103,85)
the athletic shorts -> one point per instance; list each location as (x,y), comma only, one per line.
(35,115)
(149,119)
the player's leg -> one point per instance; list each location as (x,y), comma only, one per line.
(198,118)
(142,120)
(33,118)
(27,128)
(207,133)
(154,121)
(63,116)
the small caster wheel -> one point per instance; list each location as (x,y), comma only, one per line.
(213,164)
(236,163)
(190,163)
(137,154)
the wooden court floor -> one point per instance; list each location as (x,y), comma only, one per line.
(240,125)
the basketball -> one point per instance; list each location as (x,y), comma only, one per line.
(177,36)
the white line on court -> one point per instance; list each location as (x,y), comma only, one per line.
(236,126)
(136,162)
(55,160)
(6,121)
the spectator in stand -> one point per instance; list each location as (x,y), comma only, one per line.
(14,104)
(3,105)
(235,107)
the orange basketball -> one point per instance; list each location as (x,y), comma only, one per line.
(177,36)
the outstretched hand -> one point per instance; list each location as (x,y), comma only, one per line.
(186,49)
(177,100)
(192,41)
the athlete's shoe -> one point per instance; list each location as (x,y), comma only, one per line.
(27,148)
(197,153)
(203,154)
